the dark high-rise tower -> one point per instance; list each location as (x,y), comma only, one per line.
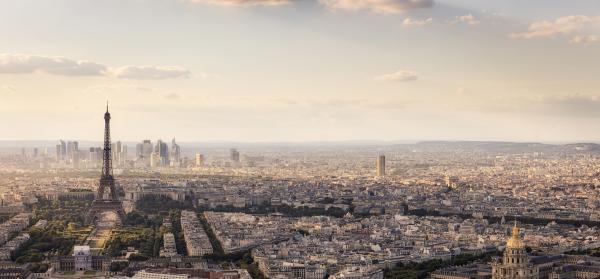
(234,155)
(381,165)
(107,181)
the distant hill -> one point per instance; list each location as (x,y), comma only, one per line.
(587,147)
(507,147)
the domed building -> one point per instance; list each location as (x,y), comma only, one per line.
(515,262)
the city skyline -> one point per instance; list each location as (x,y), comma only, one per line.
(302,71)
(300,139)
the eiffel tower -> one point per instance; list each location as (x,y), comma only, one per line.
(107,181)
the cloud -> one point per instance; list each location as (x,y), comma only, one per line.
(240,3)
(399,76)
(377,6)
(55,65)
(150,72)
(408,22)
(335,103)
(585,39)
(172,96)
(566,25)
(387,106)
(341,103)
(22,64)
(118,88)
(468,19)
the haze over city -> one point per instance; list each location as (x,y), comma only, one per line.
(283,70)
(299,139)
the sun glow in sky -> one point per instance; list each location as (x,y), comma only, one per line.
(308,70)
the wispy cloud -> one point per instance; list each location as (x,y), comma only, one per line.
(150,72)
(23,64)
(240,3)
(341,103)
(585,39)
(172,96)
(387,105)
(469,19)
(377,6)
(409,22)
(399,76)
(56,65)
(562,26)
(117,88)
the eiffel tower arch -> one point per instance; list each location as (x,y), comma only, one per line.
(102,204)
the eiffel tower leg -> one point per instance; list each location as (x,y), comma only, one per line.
(100,206)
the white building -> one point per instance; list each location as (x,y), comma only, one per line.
(83,258)
(142,274)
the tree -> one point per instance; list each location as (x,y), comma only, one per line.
(138,258)
(118,266)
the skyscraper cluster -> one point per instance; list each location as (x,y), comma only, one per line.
(159,154)
(119,154)
(35,153)
(68,153)
(146,154)
(144,150)
(95,156)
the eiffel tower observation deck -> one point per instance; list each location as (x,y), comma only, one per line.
(106,203)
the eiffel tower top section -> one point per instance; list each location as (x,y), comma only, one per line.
(107,172)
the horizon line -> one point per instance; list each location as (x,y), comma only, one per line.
(292,142)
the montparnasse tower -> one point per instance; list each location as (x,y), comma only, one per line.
(515,262)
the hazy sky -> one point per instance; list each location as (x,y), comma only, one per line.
(283,70)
